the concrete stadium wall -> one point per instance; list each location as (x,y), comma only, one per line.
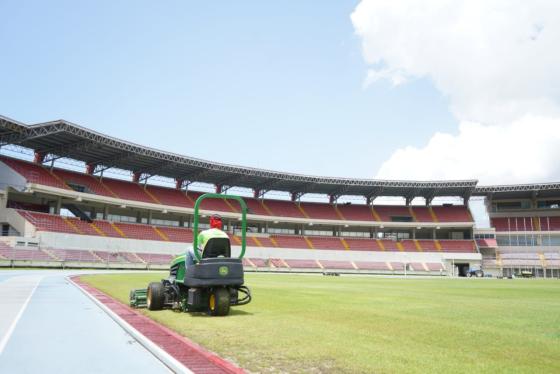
(24,227)
(9,178)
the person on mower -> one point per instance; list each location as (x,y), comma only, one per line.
(215,231)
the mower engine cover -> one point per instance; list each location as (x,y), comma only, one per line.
(219,271)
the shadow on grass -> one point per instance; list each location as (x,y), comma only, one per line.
(232,312)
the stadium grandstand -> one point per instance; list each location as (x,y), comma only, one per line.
(525,233)
(80,215)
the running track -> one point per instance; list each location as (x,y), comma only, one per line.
(47,325)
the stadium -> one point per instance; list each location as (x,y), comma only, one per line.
(257,187)
(61,217)
(73,198)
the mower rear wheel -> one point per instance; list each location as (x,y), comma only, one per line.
(218,302)
(155,296)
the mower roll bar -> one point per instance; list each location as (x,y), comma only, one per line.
(243,220)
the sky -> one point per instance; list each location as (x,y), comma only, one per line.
(420,90)
(497,63)
(275,85)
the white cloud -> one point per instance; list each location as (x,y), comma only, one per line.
(525,151)
(373,75)
(498,62)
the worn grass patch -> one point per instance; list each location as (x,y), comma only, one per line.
(306,324)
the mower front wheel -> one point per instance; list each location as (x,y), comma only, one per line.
(218,302)
(155,296)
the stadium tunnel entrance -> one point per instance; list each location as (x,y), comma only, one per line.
(461,269)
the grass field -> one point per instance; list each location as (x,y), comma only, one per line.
(305,324)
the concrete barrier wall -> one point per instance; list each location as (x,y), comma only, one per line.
(9,178)
(20,224)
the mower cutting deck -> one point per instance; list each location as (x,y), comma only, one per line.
(211,285)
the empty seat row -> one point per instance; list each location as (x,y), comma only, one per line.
(340,265)
(33,173)
(24,254)
(526,223)
(78,255)
(71,225)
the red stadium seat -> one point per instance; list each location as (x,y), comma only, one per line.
(356,212)
(137,231)
(303,264)
(170,196)
(259,262)
(365,265)
(283,208)
(434,266)
(457,245)
(319,211)
(427,245)
(278,263)
(89,183)
(155,258)
(390,245)
(356,244)
(416,266)
(34,173)
(255,207)
(326,243)
(128,190)
(285,241)
(388,213)
(455,213)
(334,265)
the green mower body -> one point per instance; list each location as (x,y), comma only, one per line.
(213,284)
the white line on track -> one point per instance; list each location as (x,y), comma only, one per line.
(12,326)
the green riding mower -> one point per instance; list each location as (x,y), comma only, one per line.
(213,284)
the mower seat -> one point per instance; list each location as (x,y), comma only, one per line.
(217,247)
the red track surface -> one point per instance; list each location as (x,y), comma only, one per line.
(190,354)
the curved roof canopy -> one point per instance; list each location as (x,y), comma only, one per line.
(519,191)
(64,139)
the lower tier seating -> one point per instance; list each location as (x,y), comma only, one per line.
(302,264)
(155,258)
(49,255)
(329,264)
(32,254)
(23,254)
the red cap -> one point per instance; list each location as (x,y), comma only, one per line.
(215,222)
